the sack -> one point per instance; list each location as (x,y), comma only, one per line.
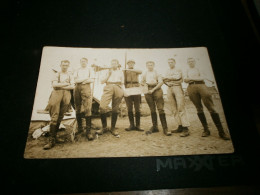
(132,91)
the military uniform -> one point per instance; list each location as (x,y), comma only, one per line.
(155,100)
(83,100)
(58,104)
(198,92)
(176,99)
(132,80)
(112,92)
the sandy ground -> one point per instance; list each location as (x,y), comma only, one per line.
(134,144)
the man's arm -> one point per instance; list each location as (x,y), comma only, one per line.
(158,86)
(55,84)
(175,77)
(134,70)
(106,77)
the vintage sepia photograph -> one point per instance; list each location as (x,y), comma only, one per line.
(104,102)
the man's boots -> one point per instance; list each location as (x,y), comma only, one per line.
(221,132)
(185,132)
(113,124)
(178,130)
(103,118)
(51,141)
(154,128)
(88,128)
(137,121)
(79,121)
(204,123)
(131,121)
(164,124)
(58,140)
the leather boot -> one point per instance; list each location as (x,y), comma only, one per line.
(131,121)
(113,124)
(51,141)
(137,121)
(178,130)
(58,140)
(154,128)
(88,128)
(204,123)
(79,121)
(221,132)
(185,132)
(104,128)
(164,124)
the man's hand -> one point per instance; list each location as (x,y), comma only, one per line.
(187,80)
(150,91)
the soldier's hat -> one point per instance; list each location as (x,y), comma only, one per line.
(130,61)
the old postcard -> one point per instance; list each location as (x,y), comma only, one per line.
(92,103)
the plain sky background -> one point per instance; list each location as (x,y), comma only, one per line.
(52,56)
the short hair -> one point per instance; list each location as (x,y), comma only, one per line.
(65,61)
(115,60)
(172,59)
(190,58)
(84,59)
(150,62)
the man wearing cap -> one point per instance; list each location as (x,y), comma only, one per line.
(113,91)
(132,80)
(173,79)
(198,92)
(83,97)
(59,101)
(154,97)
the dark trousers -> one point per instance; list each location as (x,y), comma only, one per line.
(155,100)
(133,100)
(199,93)
(83,99)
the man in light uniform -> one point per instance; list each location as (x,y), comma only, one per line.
(113,91)
(59,101)
(154,97)
(132,80)
(173,79)
(198,92)
(83,97)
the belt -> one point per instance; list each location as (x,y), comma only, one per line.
(196,82)
(113,83)
(132,82)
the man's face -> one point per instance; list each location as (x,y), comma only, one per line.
(150,66)
(171,63)
(131,65)
(191,63)
(83,63)
(64,66)
(114,64)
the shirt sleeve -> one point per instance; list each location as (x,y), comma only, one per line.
(159,77)
(143,80)
(72,82)
(55,77)
(122,77)
(75,74)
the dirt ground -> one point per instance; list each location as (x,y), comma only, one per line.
(135,144)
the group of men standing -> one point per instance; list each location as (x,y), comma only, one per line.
(117,81)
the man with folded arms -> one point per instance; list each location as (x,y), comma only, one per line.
(198,92)
(59,101)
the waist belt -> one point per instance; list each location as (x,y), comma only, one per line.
(196,82)
(113,83)
(132,82)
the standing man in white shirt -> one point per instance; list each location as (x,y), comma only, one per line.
(173,79)
(82,97)
(59,101)
(113,91)
(198,92)
(154,97)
